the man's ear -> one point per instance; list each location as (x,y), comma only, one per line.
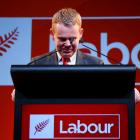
(81,32)
(52,33)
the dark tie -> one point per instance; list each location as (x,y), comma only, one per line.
(65,61)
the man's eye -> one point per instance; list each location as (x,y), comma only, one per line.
(62,39)
(73,38)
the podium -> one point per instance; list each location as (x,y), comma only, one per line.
(74,102)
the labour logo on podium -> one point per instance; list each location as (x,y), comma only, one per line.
(74,126)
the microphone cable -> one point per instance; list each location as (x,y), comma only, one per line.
(81,41)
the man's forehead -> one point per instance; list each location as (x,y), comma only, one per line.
(61,26)
(66,31)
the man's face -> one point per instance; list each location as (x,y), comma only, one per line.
(67,39)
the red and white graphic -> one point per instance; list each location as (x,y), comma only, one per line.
(75,126)
(87,126)
(75,121)
(15,45)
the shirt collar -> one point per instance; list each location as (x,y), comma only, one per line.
(72,58)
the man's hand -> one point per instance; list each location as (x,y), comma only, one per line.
(13,95)
(137,95)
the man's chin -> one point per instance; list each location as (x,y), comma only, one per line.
(67,55)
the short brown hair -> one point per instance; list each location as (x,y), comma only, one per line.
(67,16)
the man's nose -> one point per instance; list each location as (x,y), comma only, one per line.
(67,43)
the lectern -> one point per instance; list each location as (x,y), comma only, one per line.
(74,102)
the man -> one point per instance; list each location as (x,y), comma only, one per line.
(67,31)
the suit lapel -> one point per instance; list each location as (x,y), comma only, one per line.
(53,60)
(80,58)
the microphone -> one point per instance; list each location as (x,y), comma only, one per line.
(81,41)
(40,57)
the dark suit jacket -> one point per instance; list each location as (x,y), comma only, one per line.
(51,59)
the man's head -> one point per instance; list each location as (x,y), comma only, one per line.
(66,30)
